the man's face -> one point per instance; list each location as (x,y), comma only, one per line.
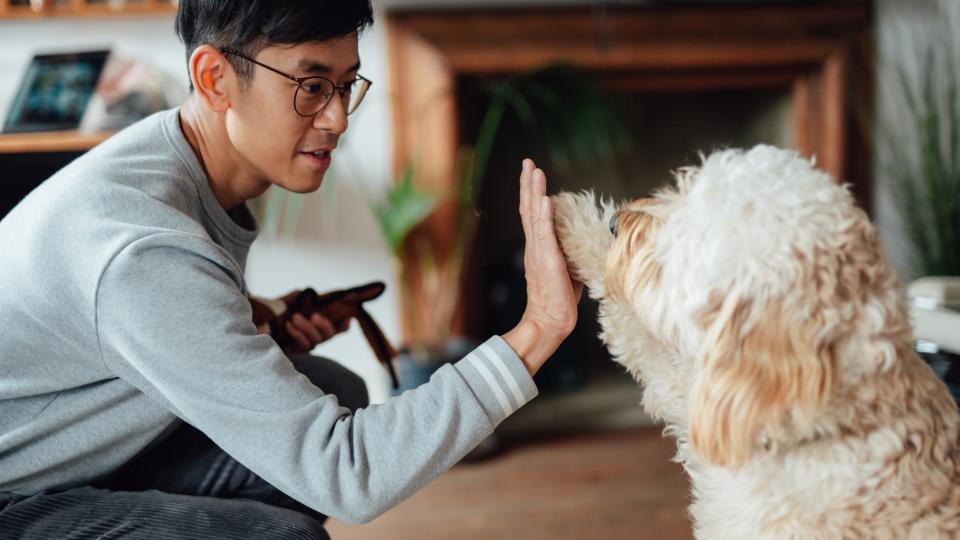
(277,143)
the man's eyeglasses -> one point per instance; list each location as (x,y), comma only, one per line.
(313,93)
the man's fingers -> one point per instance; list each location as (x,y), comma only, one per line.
(324,325)
(309,332)
(546,217)
(307,328)
(525,170)
(525,184)
(547,248)
(539,186)
(298,336)
(544,222)
(531,208)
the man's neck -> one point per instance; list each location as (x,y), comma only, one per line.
(207,135)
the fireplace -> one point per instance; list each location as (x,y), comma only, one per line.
(695,77)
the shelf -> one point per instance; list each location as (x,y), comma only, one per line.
(51,141)
(21,9)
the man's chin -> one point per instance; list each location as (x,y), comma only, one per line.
(308,175)
(306,185)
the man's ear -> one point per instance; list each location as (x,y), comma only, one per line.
(761,372)
(210,73)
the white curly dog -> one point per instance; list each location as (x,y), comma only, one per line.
(754,303)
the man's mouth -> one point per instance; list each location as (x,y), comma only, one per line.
(318,158)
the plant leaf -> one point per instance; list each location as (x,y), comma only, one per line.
(403,207)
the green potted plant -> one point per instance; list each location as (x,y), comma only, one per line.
(579,124)
(920,150)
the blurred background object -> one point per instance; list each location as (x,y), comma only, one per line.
(918,139)
(130,90)
(935,315)
(55,91)
(89,91)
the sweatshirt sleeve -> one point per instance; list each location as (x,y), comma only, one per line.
(172,320)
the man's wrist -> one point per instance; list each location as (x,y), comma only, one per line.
(533,344)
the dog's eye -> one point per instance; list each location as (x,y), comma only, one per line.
(613,225)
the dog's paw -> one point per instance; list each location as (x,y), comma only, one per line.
(584,235)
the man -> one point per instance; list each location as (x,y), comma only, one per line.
(137,399)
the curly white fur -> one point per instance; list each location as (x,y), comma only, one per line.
(754,303)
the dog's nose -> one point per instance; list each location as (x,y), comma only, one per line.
(613,223)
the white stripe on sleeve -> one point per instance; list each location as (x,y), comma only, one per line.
(492,382)
(497,362)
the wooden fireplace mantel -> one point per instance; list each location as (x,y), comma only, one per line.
(819,53)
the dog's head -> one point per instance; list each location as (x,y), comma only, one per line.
(760,272)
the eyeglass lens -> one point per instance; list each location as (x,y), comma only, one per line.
(314,93)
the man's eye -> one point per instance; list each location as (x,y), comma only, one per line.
(320,90)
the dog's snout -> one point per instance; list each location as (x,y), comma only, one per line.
(613,223)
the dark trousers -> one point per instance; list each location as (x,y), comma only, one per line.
(183,487)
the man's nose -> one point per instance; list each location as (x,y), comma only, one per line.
(333,117)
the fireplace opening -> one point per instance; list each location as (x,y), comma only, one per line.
(692,77)
(666,130)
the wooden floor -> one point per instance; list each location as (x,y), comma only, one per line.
(602,486)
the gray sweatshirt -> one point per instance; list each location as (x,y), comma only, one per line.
(122,308)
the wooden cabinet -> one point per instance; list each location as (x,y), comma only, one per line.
(50,141)
(27,159)
(13,9)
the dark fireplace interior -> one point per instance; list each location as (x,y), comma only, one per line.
(667,129)
(689,78)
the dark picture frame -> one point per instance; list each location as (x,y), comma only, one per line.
(55,91)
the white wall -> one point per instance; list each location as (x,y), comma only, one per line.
(336,243)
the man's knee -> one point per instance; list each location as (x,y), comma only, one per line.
(355,395)
(333,378)
(153,514)
(302,526)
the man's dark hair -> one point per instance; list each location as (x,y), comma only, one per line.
(248,26)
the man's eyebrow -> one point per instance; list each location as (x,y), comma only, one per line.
(311,66)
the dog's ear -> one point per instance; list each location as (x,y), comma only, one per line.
(762,375)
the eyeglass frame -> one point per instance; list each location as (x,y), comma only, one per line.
(341,89)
